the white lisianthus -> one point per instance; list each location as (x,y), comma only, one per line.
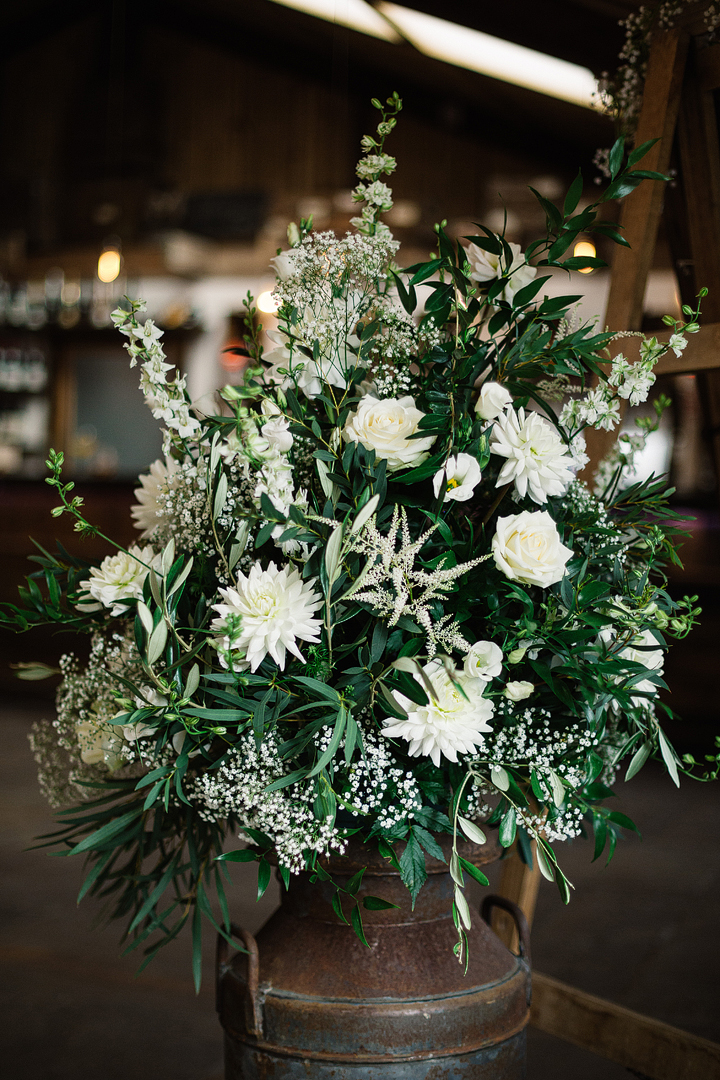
(493,399)
(537,459)
(460,477)
(641,649)
(275,432)
(284,265)
(119,577)
(273,609)
(385,427)
(450,724)
(148,509)
(519,690)
(484,661)
(527,548)
(485,266)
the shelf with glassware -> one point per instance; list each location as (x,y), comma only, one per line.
(72,388)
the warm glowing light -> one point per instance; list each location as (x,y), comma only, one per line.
(585,250)
(108,266)
(356,14)
(266,302)
(492,56)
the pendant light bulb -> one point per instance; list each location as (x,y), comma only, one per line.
(108,266)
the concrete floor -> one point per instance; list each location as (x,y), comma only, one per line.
(642,932)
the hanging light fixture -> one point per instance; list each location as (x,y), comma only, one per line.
(585,250)
(109,264)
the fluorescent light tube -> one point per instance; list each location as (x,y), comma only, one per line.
(355,14)
(492,56)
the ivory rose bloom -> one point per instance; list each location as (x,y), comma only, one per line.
(460,477)
(385,427)
(527,548)
(484,661)
(492,400)
(451,723)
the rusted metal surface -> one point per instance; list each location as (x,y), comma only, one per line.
(308,999)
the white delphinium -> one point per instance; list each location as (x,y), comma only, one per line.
(118,578)
(537,459)
(453,721)
(168,401)
(484,661)
(460,476)
(598,409)
(265,615)
(148,511)
(486,266)
(386,427)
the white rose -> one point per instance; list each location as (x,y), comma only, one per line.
(484,266)
(385,427)
(519,690)
(460,477)
(484,661)
(527,548)
(492,400)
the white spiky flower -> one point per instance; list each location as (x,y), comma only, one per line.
(272,610)
(453,721)
(118,578)
(537,459)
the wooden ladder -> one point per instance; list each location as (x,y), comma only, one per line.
(678,107)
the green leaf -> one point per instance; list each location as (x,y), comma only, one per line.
(640,756)
(329,754)
(473,833)
(264,874)
(99,838)
(286,781)
(508,826)
(337,906)
(473,871)
(157,642)
(429,842)
(615,158)
(192,681)
(181,577)
(463,908)
(197,948)
(623,820)
(376,903)
(546,867)
(240,855)
(332,554)
(640,151)
(573,196)
(669,757)
(356,920)
(412,866)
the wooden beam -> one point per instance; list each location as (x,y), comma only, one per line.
(649,1047)
(702,352)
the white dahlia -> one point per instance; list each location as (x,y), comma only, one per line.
(118,577)
(451,724)
(267,612)
(148,509)
(537,459)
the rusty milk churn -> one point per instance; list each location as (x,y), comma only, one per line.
(309,1000)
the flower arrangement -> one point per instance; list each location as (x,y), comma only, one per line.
(373,597)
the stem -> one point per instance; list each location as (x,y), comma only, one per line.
(503,492)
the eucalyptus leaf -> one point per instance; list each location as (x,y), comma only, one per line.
(473,833)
